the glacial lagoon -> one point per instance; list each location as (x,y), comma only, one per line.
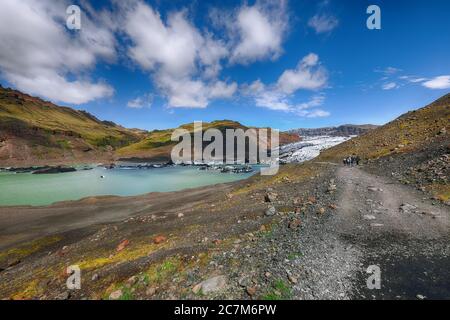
(45,189)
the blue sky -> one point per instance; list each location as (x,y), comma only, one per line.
(284,64)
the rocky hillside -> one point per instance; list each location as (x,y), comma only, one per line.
(342,131)
(34,131)
(414,148)
(408,133)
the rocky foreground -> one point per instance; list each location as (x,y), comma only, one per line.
(308,233)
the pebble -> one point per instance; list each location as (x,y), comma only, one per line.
(115,295)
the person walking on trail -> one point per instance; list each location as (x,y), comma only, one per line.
(358,160)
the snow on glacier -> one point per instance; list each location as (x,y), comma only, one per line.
(308,148)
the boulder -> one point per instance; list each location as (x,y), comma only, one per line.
(211,285)
(271,211)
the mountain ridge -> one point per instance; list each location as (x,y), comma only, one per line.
(342,130)
(35,132)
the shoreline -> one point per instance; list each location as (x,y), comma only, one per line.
(23,223)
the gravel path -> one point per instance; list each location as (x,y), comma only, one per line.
(380,223)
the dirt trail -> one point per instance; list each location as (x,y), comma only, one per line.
(378,222)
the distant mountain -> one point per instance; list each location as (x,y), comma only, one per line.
(344,130)
(34,132)
(157,145)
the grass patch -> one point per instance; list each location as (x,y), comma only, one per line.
(28,248)
(294,255)
(280,291)
(160,272)
(441,191)
(128,254)
(31,290)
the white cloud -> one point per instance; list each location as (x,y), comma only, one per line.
(253,32)
(273,100)
(141,102)
(260,30)
(317,113)
(308,75)
(189,93)
(389,86)
(255,87)
(278,96)
(172,47)
(441,82)
(38,53)
(279,102)
(323,23)
(388,71)
(316,101)
(416,80)
(183,62)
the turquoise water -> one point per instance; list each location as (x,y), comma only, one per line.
(44,189)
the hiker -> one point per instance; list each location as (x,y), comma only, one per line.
(357,159)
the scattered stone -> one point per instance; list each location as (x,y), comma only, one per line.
(244,281)
(376,225)
(271,211)
(407,208)
(131,281)
(292,279)
(270,197)
(122,245)
(115,295)
(321,211)
(196,289)
(150,291)
(420,297)
(294,224)
(251,291)
(211,285)
(63,296)
(331,188)
(262,228)
(95,277)
(369,217)
(374,189)
(159,239)
(332,206)
(180,215)
(312,200)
